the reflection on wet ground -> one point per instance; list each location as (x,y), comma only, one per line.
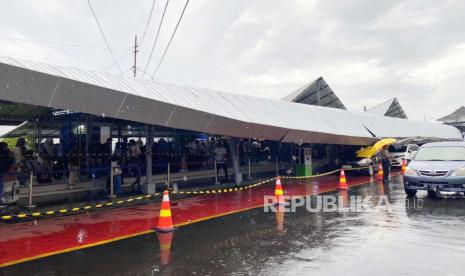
(389,241)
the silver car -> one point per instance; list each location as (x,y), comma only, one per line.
(436,167)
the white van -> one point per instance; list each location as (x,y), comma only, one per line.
(402,152)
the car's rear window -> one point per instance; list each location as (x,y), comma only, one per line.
(441,154)
(397,149)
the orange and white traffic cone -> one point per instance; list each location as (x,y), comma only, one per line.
(165,224)
(343,181)
(165,240)
(380,172)
(404,166)
(278,192)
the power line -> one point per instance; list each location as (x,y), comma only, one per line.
(138,69)
(171,39)
(148,22)
(125,71)
(143,38)
(65,44)
(118,58)
(156,38)
(103,35)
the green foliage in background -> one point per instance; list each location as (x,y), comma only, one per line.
(30,143)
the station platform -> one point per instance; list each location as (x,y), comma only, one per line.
(21,242)
(58,189)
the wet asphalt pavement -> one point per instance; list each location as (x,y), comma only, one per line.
(399,239)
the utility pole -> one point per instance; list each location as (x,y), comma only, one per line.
(135,56)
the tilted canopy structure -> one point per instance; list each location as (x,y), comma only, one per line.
(17,113)
(456,118)
(164,104)
(390,108)
(317,92)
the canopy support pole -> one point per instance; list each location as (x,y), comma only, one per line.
(38,138)
(234,150)
(88,127)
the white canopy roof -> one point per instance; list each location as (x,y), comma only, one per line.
(203,110)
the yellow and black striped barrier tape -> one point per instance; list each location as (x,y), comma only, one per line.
(223,190)
(310,176)
(324,174)
(88,207)
(361,168)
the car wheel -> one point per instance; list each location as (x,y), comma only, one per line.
(410,192)
(432,193)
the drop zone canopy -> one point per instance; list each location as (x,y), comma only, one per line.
(165,104)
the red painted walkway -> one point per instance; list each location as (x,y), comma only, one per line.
(31,240)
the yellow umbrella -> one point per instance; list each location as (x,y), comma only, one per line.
(374,149)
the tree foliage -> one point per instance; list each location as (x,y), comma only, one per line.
(30,143)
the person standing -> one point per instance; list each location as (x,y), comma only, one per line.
(6,161)
(142,156)
(20,151)
(47,153)
(220,158)
(386,163)
(107,150)
(133,162)
(124,153)
(19,154)
(117,181)
(73,162)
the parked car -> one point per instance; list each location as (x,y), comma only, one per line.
(364,166)
(402,152)
(436,167)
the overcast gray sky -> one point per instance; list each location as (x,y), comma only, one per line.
(368,51)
